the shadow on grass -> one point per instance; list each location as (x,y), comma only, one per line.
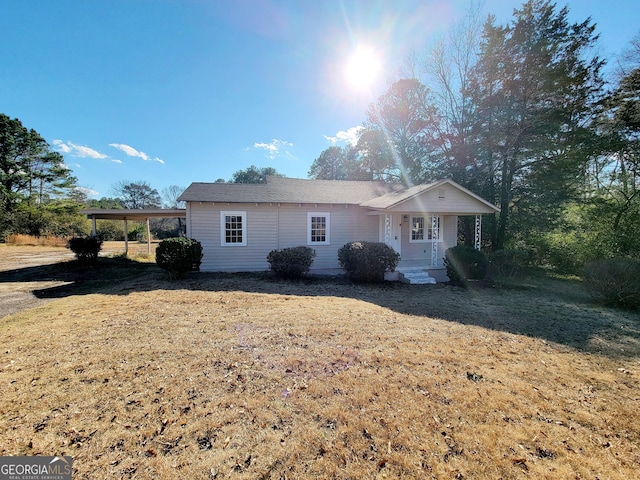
(552,309)
(79,278)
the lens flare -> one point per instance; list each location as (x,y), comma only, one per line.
(363,68)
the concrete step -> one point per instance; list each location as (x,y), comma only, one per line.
(416,276)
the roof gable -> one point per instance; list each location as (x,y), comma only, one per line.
(411,195)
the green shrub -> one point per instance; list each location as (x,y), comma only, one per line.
(510,263)
(614,282)
(179,256)
(564,252)
(293,262)
(86,249)
(367,261)
(465,263)
(137,233)
(109,230)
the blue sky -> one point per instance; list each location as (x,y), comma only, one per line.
(176,91)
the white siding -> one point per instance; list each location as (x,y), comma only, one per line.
(348,223)
(275,226)
(261,237)
(454,202)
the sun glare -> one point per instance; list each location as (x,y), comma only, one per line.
(363,68)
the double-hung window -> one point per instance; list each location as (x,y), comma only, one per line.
(425,229)
(233,229)
(318,228)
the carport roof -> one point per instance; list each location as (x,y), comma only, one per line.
(134,214)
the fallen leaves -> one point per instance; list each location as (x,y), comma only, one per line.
(520,462)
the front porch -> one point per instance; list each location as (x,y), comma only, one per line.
(421,239)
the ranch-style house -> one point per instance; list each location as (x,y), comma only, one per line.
(239,224)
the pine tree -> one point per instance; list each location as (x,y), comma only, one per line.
(32,178)
(535,90)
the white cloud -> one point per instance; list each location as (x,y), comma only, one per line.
(132,152)
(62,146)
(87,191)
(77,150)
(275,148)
(349,136)
(129,151)
(115,160)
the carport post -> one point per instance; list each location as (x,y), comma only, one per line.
(126,237)
(148,238)
(94,230)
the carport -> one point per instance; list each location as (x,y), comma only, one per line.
(137,215)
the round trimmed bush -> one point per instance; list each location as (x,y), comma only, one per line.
(293,262)
(86,249)
(465,263)
(179,256)
(367,261)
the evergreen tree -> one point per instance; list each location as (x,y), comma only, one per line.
(105,202)
(137,195)
(33,179)
(398,140)
(340,163)
(254,174)
(535,89)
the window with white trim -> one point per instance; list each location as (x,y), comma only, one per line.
(233,229)
(318,228)
(422,229)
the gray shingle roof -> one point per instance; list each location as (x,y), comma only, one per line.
(393,198)
(375,195)
(289,190)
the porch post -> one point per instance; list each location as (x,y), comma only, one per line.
(387,228)
(435,235)
(94,230)
(478,237)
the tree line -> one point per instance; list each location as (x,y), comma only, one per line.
(39,196)
(520,114)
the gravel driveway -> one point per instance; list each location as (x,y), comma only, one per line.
(20,277)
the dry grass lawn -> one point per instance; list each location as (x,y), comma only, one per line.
(248,377)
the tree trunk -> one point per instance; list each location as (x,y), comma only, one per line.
(506,181)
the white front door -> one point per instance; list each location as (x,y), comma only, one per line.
(390,230)
(396,231)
